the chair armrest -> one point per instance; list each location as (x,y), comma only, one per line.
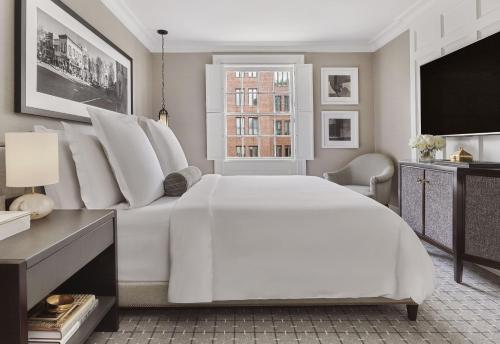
(383,177)
(342,176)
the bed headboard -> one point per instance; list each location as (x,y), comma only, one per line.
(6,192)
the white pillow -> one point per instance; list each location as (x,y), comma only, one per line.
(130,155)
(98,186)
(66,193)
(166,145)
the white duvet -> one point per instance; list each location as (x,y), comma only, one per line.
(290,237)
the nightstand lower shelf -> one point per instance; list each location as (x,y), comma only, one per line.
(104,306)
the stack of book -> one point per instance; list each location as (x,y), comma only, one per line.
(45,327)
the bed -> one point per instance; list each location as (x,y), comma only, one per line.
(271,240)
(238,240)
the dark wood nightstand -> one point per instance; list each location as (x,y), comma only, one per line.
(69,251)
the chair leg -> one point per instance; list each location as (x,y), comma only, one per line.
(412,311)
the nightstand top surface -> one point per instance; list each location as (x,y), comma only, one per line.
(51,233)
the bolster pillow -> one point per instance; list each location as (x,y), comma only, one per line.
(177,183)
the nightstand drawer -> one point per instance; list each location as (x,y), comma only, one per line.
(43,277)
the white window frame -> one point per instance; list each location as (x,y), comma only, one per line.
(303,145)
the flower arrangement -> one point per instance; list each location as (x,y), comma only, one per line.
(427,145)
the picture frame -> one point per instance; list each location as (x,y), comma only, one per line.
(340,86)
(340,129)
(64,65)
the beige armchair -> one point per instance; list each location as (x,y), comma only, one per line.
(368,174)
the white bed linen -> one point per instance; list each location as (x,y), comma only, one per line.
(290,237)
(143,254)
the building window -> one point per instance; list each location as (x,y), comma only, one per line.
(286,103)
(281,78)
(238,94)
(240,125)
(277,128)
(252,97)
(238,74)
(240,152)
(253,151)
(278,151)
(253,126)
(288,151)
(252,74)
(286,130)
(277,103)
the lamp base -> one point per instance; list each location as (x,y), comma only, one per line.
(38,205)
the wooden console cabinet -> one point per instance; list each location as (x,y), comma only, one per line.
(455,207)
(69,251)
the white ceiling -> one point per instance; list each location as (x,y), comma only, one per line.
(300,25)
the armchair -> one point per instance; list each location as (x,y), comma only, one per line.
(368,174)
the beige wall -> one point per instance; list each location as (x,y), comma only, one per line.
(185,96)
(103,20)
(391,88)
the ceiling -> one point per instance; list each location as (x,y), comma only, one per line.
(287,25)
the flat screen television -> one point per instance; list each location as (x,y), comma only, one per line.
(460,92)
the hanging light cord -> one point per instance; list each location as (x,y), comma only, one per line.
(163,72)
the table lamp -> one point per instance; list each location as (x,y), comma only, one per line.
(31,160)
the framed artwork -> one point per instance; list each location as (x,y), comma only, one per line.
(340,129)
(64,65)
(339,86)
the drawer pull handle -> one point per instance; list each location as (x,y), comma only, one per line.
(420,180)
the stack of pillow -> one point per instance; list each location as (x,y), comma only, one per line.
(121,159)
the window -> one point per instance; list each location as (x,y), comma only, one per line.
(253,126)
(238,74)
(252,97)
(240,126)
(287,127)
(240,152)
(281,78)
(278,150)
(288,151)
(253,151)
(286,103)
(277,128)
(238,94)
(277,103)
(257,123)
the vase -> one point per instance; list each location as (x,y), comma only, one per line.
(427,156)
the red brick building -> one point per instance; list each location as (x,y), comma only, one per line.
(258,114)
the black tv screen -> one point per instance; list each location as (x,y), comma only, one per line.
(460,92)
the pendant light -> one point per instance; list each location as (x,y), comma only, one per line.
(163,113)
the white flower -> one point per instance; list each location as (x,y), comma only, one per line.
(427,142)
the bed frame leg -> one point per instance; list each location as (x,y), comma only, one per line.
(412,312)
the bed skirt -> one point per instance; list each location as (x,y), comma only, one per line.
(154,295)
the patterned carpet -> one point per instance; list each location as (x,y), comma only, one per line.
(466,313)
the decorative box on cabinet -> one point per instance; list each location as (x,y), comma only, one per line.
(455,207)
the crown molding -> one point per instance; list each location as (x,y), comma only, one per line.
(400,24)
(130,21)
(300,47)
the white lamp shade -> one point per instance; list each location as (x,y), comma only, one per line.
(31,159)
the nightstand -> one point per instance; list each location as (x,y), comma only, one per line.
(69,251)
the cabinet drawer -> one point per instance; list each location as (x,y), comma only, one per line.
(412,197)
(439,207)
(49,273)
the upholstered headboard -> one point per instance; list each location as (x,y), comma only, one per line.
(4,191)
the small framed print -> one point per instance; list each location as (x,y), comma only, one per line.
(339,86)
(340,129)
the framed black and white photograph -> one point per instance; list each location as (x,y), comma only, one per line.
(339,86)
(340,129)
(64,65)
